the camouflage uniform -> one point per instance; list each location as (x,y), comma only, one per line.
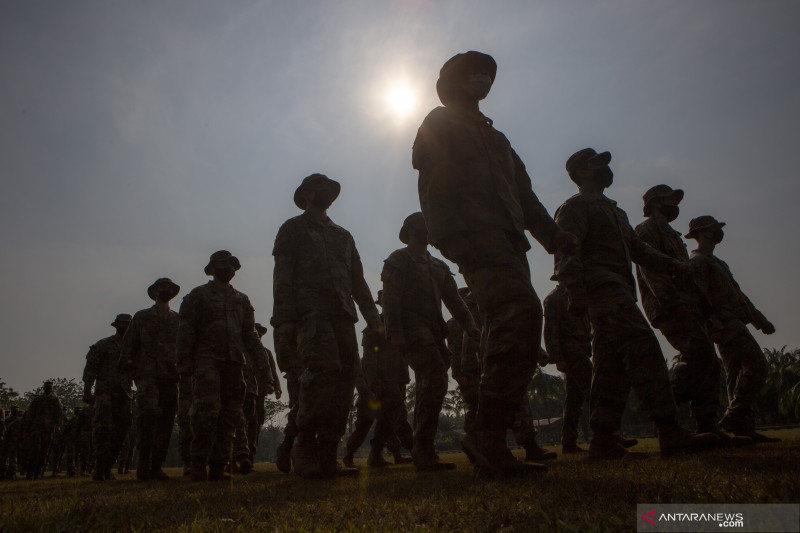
(149,357)
(746,366)
(292,366)
(84,448)
(184,422)
(70,437)
(245,440)
(466,361)
(414,287)
(318,274)
(264,380)
(112,404)
(12,442)
(473,187)
(216,327)
(567,340)
(44,416)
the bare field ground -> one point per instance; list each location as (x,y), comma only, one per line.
(575,495)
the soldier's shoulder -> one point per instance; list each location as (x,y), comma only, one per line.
(143,313)
(336,227)
(646,225)
(398,258)
(105,341)
(436,114)
(240,295)
(438,263)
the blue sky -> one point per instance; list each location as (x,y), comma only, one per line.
(138,137)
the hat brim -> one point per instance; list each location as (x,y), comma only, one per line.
(713,227)
(599,161)
(174,289)
(209,269)
(333,185)
(120,322)
(676,195)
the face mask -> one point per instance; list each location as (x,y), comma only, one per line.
(670,212)
(322,199)
(421,235)
(718,235)
(479,85)
(164,296)
(225,274)
(604,176)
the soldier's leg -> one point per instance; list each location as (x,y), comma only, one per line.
(747,369)
(184,423)
(525,434)
(579,382)
(254,414)
(147,400)
(230,415)
(102,424)
(167,406)
(696,372)
(430,374)
(204,412)
(122,415)
(365,416)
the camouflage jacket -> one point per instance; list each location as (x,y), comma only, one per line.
(217,322)
(381,361)
(728,303)
(662,293)
(102,366)
(599,271)
(471,180)
(44,412)
(148,348)
(565,335)
(265,371)
(318,271)
(414,287)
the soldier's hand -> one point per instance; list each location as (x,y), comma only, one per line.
(767,328)
(565,242)
(474,332)
(288,332)
(458,249)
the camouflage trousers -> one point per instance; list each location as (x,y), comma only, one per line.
(125,458)
(244,442)
(430,375)
(746,370)
(9,457)
(256,422)
(157,401)
(184,422)
(696,372)
(292,366)
(388,411)
(37,448)
(500,282)
(112,420)
(84,451)
(523,428)
(578,385)
(217,397)
(329,346)
(626,354)
(468,385)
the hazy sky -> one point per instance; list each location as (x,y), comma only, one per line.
(137,137)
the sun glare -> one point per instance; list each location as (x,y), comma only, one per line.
(401,100)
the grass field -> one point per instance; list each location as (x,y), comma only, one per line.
(575,495)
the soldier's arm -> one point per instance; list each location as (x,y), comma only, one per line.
(285,254)
(570,268)
(645,255)
(757,318)
(456,305)
(537,220)
(552,330)
(186,345)
(252,342)
(276,382)
(90,370)
(129,349)
(456,347)
(392,277)
(361,293)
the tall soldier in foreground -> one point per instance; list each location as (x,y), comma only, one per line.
(112,405)
(318,274)
(149,357)
(745,365)
(599,281)
(415,284)
(477,201)
(216,326)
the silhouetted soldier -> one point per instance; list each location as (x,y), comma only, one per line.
(477,200)
(746,366)
(598,279)
(112,403)
(44,415)
(292,364)
(149,357)
(318,274)
(268,382)
(216,327)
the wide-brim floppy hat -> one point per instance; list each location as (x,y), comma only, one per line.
(174,288)
(222,256)
(311,182)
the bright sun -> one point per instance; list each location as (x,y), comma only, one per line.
(401,100)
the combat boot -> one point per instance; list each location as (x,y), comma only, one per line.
(674,440)
(606,446)
(534,452)
(375,459)
(305,456)
(571,448)
(425,459)
(216,472)
(400,459)
(283,459)
(469,447)
(709,425)
(329,466)
(625,442)
(493,459)
(244,465)
(156,473)
(198,470)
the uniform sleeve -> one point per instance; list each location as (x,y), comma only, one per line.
(392,277)
(283,309)
(645,255)
(92,367)
(361,293)
(552,329)
(537,220)
(569,269)
(250,339)
(276,382)
(130,347)
(186,345)
(455,343)
(455,304)
(701,275)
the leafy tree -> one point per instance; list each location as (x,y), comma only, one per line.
(69,391)
(8,396)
